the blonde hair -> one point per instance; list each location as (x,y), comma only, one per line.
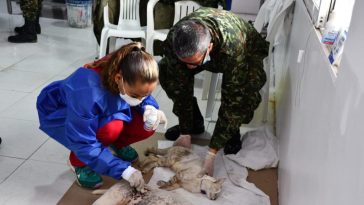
(132,62)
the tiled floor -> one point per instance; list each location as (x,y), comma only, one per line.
(33,167)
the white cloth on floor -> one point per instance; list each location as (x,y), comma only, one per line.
(258,151)
(235,190)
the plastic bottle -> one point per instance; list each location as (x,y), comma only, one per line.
(151,120)
(337,48)
(331,31)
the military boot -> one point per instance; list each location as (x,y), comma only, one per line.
(198,124)
(20,29)
(28,36)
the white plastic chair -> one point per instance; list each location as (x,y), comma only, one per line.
(128,25)
(181,9)
(209,88)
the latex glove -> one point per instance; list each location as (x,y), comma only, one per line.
(208,166)
(153,117)
(134,177)
(183,141)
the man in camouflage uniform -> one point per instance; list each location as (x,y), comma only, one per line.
(28,32)
(235,49)
(164,13)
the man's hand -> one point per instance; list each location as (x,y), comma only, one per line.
(135,178)
(183,141)
(153,117)
(208,166)
(162,119)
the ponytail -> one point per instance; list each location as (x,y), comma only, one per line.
(133,63)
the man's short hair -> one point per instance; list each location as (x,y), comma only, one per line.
(190,37)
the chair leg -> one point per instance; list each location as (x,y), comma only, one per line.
(112,43)
(206,84)
(266,93)
(97,49)
(10,8)
(144,42)
(211,96)
(103,43)
(149,45)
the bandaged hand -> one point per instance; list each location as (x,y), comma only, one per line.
(208,166)
(153,117)
(134,177)
(183,141)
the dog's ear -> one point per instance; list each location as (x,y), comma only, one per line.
(220,181)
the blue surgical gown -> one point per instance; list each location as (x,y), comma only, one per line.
(72,110)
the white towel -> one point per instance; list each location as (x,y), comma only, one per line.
(258,151)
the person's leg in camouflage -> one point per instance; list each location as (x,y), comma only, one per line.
(163,19)
(257,50)
(248,92)
(198,124)
(20,29)
(28,34)
(98,15)
(239,100)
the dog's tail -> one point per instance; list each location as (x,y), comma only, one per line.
(156,151)
(99,191)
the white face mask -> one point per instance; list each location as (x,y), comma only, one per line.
(130,100)
(206,59)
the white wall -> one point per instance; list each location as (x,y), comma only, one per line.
(246,9)
(245,6)
(320,119)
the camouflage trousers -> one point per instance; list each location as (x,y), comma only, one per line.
(241,96)
(31,9)
(238,104)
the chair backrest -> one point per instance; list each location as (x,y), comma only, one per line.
(183,8)
(129,14)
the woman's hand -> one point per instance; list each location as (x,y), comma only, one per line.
(153,117)
(135,178)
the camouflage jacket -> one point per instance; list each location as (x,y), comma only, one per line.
(238,51)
